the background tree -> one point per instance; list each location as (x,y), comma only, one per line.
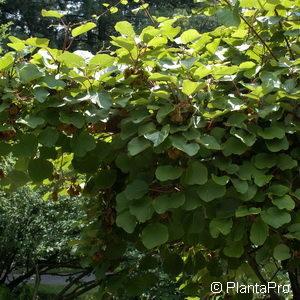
(27,19)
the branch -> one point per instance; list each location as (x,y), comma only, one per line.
(255,33)
(285,38)
(253,264)
(59,296)
(147,13)
(90,285)
(294,283)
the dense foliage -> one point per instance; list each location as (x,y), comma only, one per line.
(186,144)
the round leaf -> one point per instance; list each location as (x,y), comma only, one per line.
(281,252)
(211,191)
(136,189)
(154,235)
(164,173)
(83,28)
(196,173)
(40,169)
(259,232)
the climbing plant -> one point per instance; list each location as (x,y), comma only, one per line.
(186,145)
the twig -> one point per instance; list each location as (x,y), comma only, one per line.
(255,33)
(285,38)
(147,13)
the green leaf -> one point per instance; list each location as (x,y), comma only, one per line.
(29,72)
(270,80)
(168,172)
(162,77)
(270,133)
(170,31)
(136,189)
(48,137)
(241,186)
(218,225)
(211,191)
(285,202)
(266,110)
(210,142)
(125,28)
(181,144)
(40,93)
(158,137)
(137,145)
(6,62)
(295,48)
(73,118)
(158,41)
(172,264)
(233,146)
(236,119)
(142,209)
(17,178)
(247,65)
(196,173)
(101,60)
(275,217)
(113,9)
(154,235)
(243,211)
(126,221)
(32,121)
(51,13)
(278,189)
(164,111)
(294,231)
(39,169)
(5,149)
(102,99)
(164,203)
(259,232)
(276,145)
(282,252)
(105,179)
(27,146)
(71,60)
(52,82)
(265,160)
(245,137)
(228,17)
(285,162)
(190,87)
(202,71)
(82,144)
(83,29)
(234,250)
(189,36)
(124,42)
(261,180)
(212,48)
(221,180)
(37,42)
(16,46)
(137,284)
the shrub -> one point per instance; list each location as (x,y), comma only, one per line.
(187,145)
